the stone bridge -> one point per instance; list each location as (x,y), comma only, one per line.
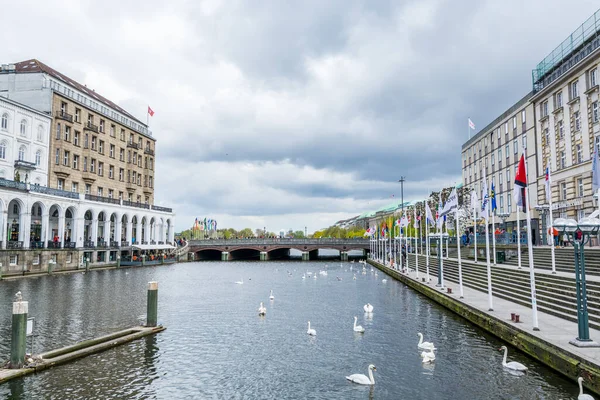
(266,249)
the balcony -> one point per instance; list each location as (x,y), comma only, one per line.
(26,165)
(135,204)
(114,243)
(131,186)
(36,245)
(64,115)
(89,244)
(149,151)
(91,127)
(124,243)
(133,145)
(53,245)
(69,245)
(12,184)
(14,244)
(102,199)
(101,244)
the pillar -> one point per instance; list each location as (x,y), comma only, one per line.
(129,231)
(94,229)
(155,232)
(171,233)
(305,256)
(224,256)
(19,333)
(152,306)
(264,256)
(25,228)
(45,228)
(118,231)
(79,224)
(3,228)
(61,228)
(344,255)
(138,232)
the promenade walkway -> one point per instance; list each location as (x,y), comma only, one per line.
(553,331)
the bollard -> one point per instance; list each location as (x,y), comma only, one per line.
(19,332)
(87,264)
(517,317)
(143,259)
(0,271)
(152,310)
(118,261)
(50,264)
(512,316)
(423,279)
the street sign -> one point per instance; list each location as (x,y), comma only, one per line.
(30,325)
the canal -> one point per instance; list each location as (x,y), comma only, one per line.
(217,347)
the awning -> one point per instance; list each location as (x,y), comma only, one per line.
(152,246)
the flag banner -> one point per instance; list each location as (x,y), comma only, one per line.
(520,184)
(596,171)
(403,221)
(493,198)
(416,220)
(547,184)
(485,202)
(429,215)
(471,124)
(451,203)
(150,111)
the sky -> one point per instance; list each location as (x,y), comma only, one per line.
(288,115)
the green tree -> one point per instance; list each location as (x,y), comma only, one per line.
(299,235)
(246,233)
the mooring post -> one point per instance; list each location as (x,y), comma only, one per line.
(19,332)
(152,310)
(87,264)
(0,271)
(118,261)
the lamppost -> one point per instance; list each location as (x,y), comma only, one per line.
(305,233)
(585,228)
(440,237)
(401,180)
(504,216)
(541,209)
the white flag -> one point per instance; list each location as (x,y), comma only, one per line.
(474,200)
(471,124)
(451,203)
(429,215)
(485,206)
(596,171)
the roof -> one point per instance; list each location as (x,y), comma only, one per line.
(152,246)
(36,66)
(23,106)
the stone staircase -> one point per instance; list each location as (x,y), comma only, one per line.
(555,294)
(564,259)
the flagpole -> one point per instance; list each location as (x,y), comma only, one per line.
(475,227)
(551,220)
(530,251)
(427,247)
(494,234)
(460,282)
(518,236)
(486,212)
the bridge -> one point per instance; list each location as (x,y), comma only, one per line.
(269,249)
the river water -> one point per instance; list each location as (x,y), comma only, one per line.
(217,347)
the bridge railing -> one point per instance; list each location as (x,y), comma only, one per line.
(258,241)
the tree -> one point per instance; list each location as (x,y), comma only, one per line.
(298,235)
(246,233)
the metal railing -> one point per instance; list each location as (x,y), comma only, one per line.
(89,244)
(12,184)
(36,245)
(159,208)
(149,151)
(114,243)
(251,241)
(70,245)
(53,192)
(14,244)
(101,244)
(124,243)
(133,145)
(53,244)
(135,204)
(91,127)
(64,115)
(102,199)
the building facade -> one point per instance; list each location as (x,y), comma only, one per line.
(96,148)
(566,101)
(493,155)
(24,143)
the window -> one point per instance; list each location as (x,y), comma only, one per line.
(93,165)
(128,176)
(74,187)
(595,112)
(563,190)
(60,184)
(86,141)
(131,138)
(88,188)
(150,181)
(111,151)
(140,162)
(111,172)
(524,140)
(23,128)
(75,161)
(84,164)
(507,151)
(122,134)
(135,158)
(547,135)
(100,191)
(38,158)
(76,138)
(93,142)
(563,160)
(151,165)
(580,187)
(57,131)
(77,115)
(508,204)
(14,259)
(558,100)
(101,147)
(508,176)
(112,131)
(577,122)
(523,117)
(516,146)
(515,122)
(593,77)
(101,168)
(57,157)
(544,109)
(69,258)
(561,131)
(40,133)
(4,121)
(122,155)
(90,119)
(66,158)
(139,198)
(22,153)
(139,179)
(36,259)
(129,156)
(121,172)
(579,150)
(120,195)
(67,133)
(110,193)
(574,90)
(101,126)
(3,150)
(502,203)
(492,160)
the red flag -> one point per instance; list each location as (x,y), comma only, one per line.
(150,111)
(521,184)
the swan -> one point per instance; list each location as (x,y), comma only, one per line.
(363,379)
(303,276)
(271,297)
(582,396)
(240,282)
(354,277)
(339,279)
(424,345)
(262,310)
(428,356)
(517,366)
(384,280)
(368,308)
(311,332)
(315,276)
(358,328)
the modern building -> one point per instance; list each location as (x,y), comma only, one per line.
(566,98)
(24,143)
(493,155)
(96,147)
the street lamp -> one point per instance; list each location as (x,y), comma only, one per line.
(586,227)
(541,209)
(440,237)
(401,180)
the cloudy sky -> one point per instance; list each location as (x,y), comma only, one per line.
(291,114)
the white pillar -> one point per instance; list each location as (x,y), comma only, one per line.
(155,232)
(45,228)
(118,230)
(79,223)
(3,228)
(172,232)
(25,228)
(138,232)
(61,228)
(94,229)
(129,231)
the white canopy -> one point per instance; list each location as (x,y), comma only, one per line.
(152,246)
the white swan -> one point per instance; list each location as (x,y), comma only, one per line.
(358,328)
(582,396)
(303,276)
(428,356)
(315,276)
(311,332)
(240,282)
(363,379)
(384,280)
(271,297)
(262,310)
(424,345)
(516,366)
(354,277)
(368,308)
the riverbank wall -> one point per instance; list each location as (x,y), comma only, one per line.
(550,354)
